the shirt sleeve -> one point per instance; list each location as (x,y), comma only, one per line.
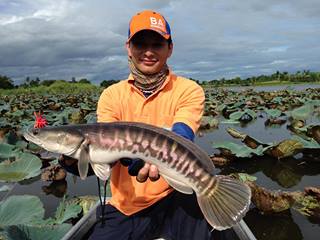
(190,107)
(107,111)
(183,130)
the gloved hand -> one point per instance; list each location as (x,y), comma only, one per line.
(134,165)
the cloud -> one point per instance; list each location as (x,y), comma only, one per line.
(212,39)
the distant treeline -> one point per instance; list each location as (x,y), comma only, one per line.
(277,77)
(7,83)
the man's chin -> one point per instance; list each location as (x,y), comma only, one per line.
(149,70)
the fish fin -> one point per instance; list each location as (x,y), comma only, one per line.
(83,163)
(226,204)
(102,171)
(177,185)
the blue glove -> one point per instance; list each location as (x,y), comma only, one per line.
(134,165)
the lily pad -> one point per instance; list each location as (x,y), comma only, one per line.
(303,112)
(25,166)
(285,148)
(8,151)
(273,113)
(239,150)
(26,232)
(27,208)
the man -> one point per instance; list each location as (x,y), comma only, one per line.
(143,205)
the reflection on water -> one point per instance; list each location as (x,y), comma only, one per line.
(287,173)
(56,188)
(275,227)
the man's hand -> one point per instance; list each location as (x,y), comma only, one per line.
(140,169)
(148,170)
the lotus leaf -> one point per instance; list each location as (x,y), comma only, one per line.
(86,202)
(273,113)
(269,201)
(27,232)
(239,150)
(230,121)
(246,115)
(311,143)
(236,115)
(8,151)
(18,113)
(66,211)
(286,148)
(25,166)
(306,204)
(250,112)
(27,208)
(208,122)
(85,106)
(91,118)
(314,132)
(243,177)
(221,107)
(303,112)
(236,134)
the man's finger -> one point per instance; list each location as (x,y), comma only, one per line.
(154,173)
(143,173)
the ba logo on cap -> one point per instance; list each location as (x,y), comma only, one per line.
(156,22)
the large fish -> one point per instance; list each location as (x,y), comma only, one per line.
(185,166)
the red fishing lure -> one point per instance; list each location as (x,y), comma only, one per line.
(40,120)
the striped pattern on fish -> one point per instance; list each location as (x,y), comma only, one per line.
(185,166)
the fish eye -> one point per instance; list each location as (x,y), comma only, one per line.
(35,131)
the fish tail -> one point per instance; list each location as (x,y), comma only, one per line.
(226,203)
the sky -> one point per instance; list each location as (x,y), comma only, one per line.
(212,39)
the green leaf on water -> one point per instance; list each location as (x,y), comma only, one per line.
(8,150)
(66,211)
(25,166)
(303,112)
(239,150)
(273,113)
(236,115)
(23,209)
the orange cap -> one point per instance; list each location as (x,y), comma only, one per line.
(149,20)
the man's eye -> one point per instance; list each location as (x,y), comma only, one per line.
(157,45)
(139,44)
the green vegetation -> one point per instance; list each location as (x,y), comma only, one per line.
(44,87)
(84,85)
(277,78)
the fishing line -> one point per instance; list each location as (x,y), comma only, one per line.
(102,203)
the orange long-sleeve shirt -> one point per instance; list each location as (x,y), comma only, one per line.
(178,100)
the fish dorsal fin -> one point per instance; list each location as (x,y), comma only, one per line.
(84,159)
(177,185)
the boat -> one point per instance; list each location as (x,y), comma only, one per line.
(81,230)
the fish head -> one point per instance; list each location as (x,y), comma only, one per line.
(56,139)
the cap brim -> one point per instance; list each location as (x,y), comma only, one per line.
(164,35)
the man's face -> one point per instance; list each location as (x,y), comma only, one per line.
(149,51)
